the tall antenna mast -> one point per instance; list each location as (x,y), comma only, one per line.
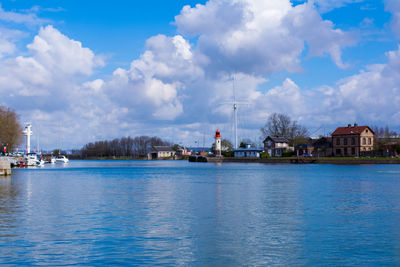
(235,113)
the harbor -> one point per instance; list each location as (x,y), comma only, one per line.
(167,212)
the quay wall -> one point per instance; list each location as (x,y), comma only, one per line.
(298,160)
(5,168)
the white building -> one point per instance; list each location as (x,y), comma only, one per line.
(161,152)
(247,152)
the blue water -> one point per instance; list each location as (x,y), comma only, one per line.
(181,213)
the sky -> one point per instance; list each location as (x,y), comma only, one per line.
(83,71)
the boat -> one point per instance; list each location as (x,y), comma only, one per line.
(53,160)
(61,159)
(32,159)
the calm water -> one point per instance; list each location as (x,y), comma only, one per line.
(180,213)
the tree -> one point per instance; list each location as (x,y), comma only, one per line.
(10,129)
(226,146)
(282,125)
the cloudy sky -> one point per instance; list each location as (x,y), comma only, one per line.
(83,71)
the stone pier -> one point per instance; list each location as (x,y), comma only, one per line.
(5,168)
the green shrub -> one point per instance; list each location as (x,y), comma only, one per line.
(227,154)
(264,155)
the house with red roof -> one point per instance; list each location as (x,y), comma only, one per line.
(352,141)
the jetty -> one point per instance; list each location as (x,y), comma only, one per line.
(5,168)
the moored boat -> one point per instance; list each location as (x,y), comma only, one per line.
(62,159)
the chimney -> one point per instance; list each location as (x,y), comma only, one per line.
(348,125)
(355,125)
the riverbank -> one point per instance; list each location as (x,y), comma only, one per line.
(300,160)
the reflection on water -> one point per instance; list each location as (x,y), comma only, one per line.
(166,212)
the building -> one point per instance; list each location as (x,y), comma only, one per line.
(183,152)
(247,152)
(322,147)
(161,152)
(275,146)
(352,141)
(304,150)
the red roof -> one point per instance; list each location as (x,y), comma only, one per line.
(350,130)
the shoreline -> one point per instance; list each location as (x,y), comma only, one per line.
(295,160)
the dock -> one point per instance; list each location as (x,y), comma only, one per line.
(5,168)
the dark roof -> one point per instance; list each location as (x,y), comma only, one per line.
(350,130)
(162,148)
(322,142)
(303,146)
(277,139)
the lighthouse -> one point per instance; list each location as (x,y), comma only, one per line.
(218,143)
(28,132)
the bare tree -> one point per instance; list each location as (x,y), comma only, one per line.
(10,129)
(282,125)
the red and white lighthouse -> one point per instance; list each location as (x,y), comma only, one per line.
(218,143)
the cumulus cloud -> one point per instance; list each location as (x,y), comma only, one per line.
(154,84)
(47,77)
(260,37)
(176,89)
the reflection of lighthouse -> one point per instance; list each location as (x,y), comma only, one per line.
(27,132)
(218,143)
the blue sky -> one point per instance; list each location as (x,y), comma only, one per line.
(82,71)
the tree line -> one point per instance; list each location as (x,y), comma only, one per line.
(10,129)
(126,147)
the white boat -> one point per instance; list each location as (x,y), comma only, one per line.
(61,159)
(53,160)
(32,159)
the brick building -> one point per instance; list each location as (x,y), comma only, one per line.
(352,141)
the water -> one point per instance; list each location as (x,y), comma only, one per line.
(180,213)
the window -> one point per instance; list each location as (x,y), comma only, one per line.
(345,141)
(337,141)
(345,151)
(364,141)
(353,141)
(369,141)
(338,151)
(353,151)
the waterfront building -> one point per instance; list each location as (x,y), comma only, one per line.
(352,141)
(304,150)
(275,146)
(322,147)
(247,152)
(161,152)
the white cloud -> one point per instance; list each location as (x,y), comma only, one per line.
(179,90)
(28,18)
(260,37)
(152,87)
(56,51)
